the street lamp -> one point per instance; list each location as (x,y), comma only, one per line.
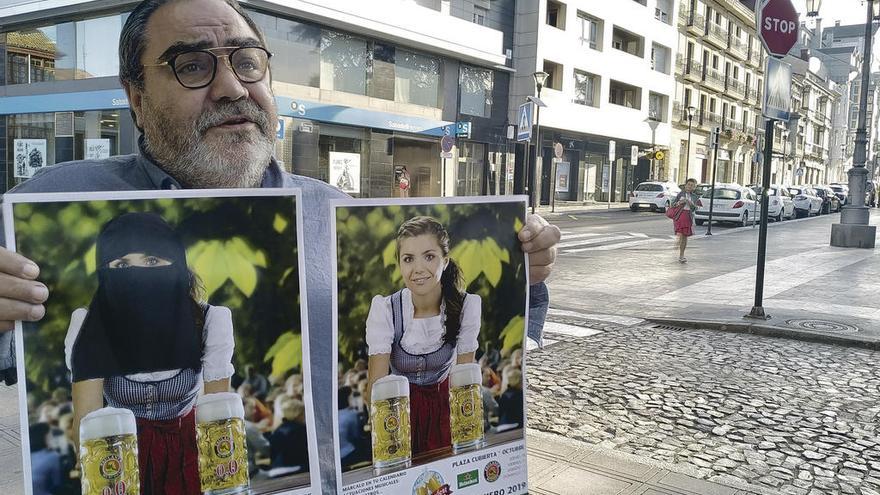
(540,79)
(653,122)
(687,168)
(813,8)
(785,134)
(853,229)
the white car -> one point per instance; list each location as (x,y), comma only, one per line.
(654,195)
(781,206)
(733,203)
(806,202)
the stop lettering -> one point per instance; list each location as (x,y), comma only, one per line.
(778,26)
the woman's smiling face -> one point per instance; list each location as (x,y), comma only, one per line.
(421,263)
(139,260)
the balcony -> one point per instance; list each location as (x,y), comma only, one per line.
(738,49)
(695,23)
(709,120)
(748,130)
(713,79)
(717,36)
(729,124)
(752,96)
(735,88)
(679,113)
(693,71)
(756,57)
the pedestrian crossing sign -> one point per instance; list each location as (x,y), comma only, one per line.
(524,122)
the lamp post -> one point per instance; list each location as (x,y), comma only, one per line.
(785,134)
(540,79)
(813,8)
(853,229)
(653,123)
(687,168)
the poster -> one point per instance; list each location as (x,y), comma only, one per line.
(97,149)
(207,287)
(422,406)
(563,169)
(345,171)
(30,156)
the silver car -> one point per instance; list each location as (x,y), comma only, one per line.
(806,202)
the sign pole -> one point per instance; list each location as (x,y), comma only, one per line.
(715,137)
(758,309)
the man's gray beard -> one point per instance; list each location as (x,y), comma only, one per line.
(236,159)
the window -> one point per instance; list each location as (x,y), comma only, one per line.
(586,88)
(556,14)
(296,49)
(343,63)
(480,15)
(625,95)
(95,57)
(657,105)
(663,12)
(55,53)
(628,42)
(591,31)
(476,91)
(554,80)
(661,58)
(416,79)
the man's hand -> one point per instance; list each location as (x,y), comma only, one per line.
(21,296)
(539,240)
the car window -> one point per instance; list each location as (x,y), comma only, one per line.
(649,187)
(836,188)
(794,191)
(726,194)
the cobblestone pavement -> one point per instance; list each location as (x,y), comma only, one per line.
(784,416)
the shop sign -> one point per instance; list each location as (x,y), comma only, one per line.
(30,156)
(279,130)
(97,149)
(563,172)
(345,171)
(463,130)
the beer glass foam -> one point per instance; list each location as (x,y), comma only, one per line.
(466,406)
(109,453)
(389,417)
(223,462)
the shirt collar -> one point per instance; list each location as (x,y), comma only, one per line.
(272,177)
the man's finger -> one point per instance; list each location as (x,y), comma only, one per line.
(548,237)
(17,265)
(538,274)
(17,310)
(542,258)
(22,290)
(533,227)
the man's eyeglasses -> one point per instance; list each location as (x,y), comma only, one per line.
(197,69)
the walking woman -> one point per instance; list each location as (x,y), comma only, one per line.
(149,345)
(683,220)
(420,331)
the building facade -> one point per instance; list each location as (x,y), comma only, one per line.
(720,76)
(610,81)
(375,85)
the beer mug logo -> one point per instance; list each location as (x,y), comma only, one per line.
(393,448)
(492,471)
(111,467)
(467,408)
(224,447)
(392,424)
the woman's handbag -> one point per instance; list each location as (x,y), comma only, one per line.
(674,211)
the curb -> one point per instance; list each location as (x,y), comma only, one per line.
(772,331)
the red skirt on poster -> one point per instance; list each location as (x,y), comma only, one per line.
(429,415)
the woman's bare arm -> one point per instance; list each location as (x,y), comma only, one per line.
(378,367)
(88,396)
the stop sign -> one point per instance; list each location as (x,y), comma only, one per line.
(778,26)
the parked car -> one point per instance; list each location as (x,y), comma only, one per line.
(830,201)
(655,195)
(806,202)
(733,203)
(781,205)
(842,192)
(871,193)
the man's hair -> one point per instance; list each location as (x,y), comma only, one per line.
(133,39)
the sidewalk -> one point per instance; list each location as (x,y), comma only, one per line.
(559,466)
(574,207)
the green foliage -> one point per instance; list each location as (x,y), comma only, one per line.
(243,250)
(483,243)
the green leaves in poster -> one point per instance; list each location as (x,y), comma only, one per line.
(285,354)
(217,261)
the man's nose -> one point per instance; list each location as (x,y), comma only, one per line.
(226,84)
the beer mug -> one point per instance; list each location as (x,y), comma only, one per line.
(220,435)
(389,417)
(108,453)
(466,406)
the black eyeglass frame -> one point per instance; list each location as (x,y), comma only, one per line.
(210,51)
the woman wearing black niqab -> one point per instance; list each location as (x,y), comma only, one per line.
(147,344)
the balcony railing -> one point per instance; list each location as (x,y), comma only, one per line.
(695,23)
(717,35)
(709,120)
(738,48)
(735,88)
(752,95)
(713,77)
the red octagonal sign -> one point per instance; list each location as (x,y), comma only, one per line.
(778,26)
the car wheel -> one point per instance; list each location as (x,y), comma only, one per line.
(665,206)
(700,222)
(778,217)
(653,207)
(633,207)
(745,219)
(798,213)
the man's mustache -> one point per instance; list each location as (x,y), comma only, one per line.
(245,108)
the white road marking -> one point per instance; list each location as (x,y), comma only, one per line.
(620,320)
(620,245)
(570,330)
(587,242)
(581,236)
(531,345)
(638,234)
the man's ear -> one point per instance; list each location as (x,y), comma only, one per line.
(135,104)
